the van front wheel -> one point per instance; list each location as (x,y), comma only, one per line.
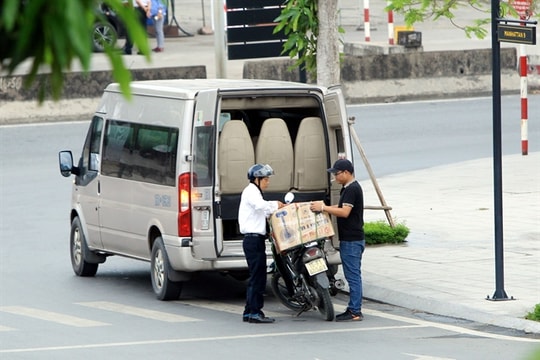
(164,288)
(79,251)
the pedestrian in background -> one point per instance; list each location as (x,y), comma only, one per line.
(158,13)
(350,222)
(252,215)
(142,10)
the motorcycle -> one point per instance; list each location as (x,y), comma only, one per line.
(302,279)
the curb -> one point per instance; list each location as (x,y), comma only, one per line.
(430,305)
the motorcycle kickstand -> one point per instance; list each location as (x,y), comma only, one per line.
(305,308)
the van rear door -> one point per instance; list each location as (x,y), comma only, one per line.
(207,241)
(336,116)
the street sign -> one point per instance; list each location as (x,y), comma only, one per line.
(517,34)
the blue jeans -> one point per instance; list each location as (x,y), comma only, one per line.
(255,251)
(351,260)
(160,37)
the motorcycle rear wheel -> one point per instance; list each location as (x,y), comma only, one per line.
(280,291)
(325,306)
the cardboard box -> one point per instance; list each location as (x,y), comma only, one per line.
(295,224)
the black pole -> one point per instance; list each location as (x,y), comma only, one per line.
(499,294)
(302,74)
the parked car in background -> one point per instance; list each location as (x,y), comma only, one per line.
(107,28)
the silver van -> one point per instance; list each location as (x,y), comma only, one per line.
(160,176)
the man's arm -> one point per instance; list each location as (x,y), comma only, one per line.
(332,210)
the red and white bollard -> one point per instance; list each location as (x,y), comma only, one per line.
(367,29)
(390,27)
(524,102)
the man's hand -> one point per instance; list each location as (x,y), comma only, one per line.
(317,206)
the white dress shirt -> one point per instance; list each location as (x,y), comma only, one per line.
(254,210)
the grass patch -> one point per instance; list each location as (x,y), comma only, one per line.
(534,315)
(380,232)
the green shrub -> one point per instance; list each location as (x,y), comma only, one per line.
(380,232)
(534,315)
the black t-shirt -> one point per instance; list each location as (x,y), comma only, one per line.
(352,227)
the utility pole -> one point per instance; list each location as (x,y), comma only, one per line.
(499,294)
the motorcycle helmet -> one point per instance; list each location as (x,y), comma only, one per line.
(259,171)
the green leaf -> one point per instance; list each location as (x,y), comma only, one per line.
(10,10)
(120,74)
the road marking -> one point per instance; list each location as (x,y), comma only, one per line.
(427,357)
(137,311)
(224,307)
(6,328)
(206,339)
(412,323)
(51,316)
(452,328)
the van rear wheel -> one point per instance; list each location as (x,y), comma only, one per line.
(79,251)
(164,288)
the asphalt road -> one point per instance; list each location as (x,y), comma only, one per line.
(47,312)
(416,135)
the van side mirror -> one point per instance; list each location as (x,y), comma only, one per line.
(65,159)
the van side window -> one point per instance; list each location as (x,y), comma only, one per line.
(140,152)
(90,156)
(339,141)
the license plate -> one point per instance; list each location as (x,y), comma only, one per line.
(316,266)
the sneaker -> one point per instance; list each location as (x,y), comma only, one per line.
(158,49)
(348,315)
(259,319)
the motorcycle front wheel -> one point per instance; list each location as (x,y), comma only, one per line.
(325,306)
(279,288)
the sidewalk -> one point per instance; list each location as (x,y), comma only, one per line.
(447,265)
(200,50)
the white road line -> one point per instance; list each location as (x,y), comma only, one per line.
(51,316)
(204,339)
(452,328)
(427,357)
(224,307)
(6,328)
(137,311)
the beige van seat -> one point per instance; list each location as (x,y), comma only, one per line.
(236,155)
(310,156)
(274,147)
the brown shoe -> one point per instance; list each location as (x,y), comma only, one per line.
(158,49)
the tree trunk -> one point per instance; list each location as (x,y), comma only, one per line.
(328,67)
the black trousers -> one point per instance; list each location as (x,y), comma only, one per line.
(255,251)
(141,14)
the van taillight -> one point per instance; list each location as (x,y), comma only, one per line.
(184,205)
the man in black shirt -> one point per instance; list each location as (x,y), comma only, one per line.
(350,221)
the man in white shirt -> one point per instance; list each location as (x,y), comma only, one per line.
(252,215)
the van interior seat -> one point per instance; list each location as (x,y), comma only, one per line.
(236,155)
(274,147)
(310,158)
